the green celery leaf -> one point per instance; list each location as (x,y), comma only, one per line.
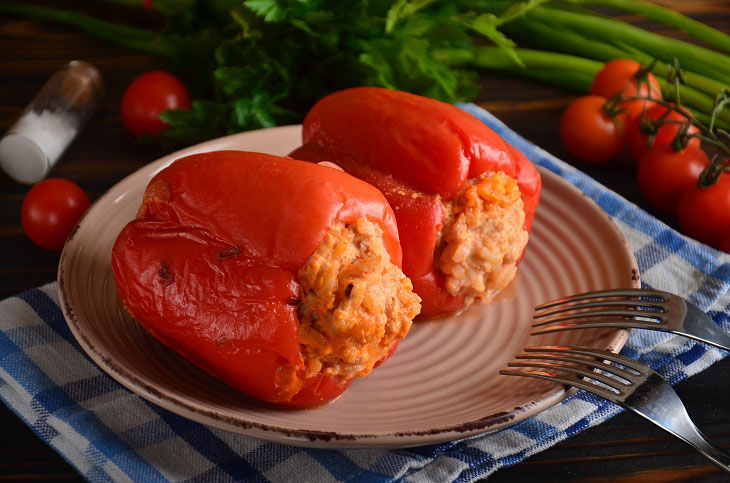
(204,120)
(486,24)
(517,10)
(271,10)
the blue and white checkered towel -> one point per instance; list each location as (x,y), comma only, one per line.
(108,433)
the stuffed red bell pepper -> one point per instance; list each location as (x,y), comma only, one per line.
(279,277)
(463,198)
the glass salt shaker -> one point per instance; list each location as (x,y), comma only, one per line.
(31,147)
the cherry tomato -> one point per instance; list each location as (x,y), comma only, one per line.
(664,174)
(588,133)
(638,143)
(704,213)
(50,211)
(618,75)
(147,97)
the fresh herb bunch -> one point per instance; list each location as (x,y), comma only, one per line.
(258,63)
(274,59)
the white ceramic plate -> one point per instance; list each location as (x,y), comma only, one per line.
(441,384)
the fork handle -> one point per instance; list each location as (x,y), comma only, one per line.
(711,451)
(657,402)
(704,330)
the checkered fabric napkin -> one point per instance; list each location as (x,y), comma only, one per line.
(108,433)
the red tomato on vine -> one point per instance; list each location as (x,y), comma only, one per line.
(637,142)
(589,132)
(704,212)
(664,174)
(620,76)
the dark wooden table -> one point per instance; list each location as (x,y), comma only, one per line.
(625,448)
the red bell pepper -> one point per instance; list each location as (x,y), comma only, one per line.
(418,152)
(209,266)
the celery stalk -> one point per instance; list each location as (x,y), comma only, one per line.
(663,15)
(692,57)
(549,67)
(137,39)
(576,44)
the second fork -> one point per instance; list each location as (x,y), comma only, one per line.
(630,308)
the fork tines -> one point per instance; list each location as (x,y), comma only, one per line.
(585,368)
(615,308)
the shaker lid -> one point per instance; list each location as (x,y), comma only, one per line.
(23,159)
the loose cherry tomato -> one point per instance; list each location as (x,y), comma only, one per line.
(50,211)
(704,213)
(638,143)
(664,174)
(619,75)
(147,97)
(588,133)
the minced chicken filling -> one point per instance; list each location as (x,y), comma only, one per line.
(355,303)
(483,237)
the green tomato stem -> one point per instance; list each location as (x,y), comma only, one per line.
(693,98)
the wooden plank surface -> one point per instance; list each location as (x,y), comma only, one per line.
(625,449)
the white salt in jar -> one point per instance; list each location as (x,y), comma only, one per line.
(31,147)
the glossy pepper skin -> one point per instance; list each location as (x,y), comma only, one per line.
(210,264)
(418,152)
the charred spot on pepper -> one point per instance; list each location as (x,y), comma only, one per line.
(294,301)
(229,252)
(348,290)
(167,276)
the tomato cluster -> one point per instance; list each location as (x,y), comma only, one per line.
(625,108)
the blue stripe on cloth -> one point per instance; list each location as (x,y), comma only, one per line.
(692,355)
(267,455)
(342,467)
(393,462)
(472,455)
(97,474)
(535,429)
(21,368)
(214,474)
(650,255)
(34,335)
(48,310)
(202,439)
(50,400)
(476,459)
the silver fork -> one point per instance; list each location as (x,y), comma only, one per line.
(642,390)
(630,308)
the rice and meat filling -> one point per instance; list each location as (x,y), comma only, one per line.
(356,304)
(483,237)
